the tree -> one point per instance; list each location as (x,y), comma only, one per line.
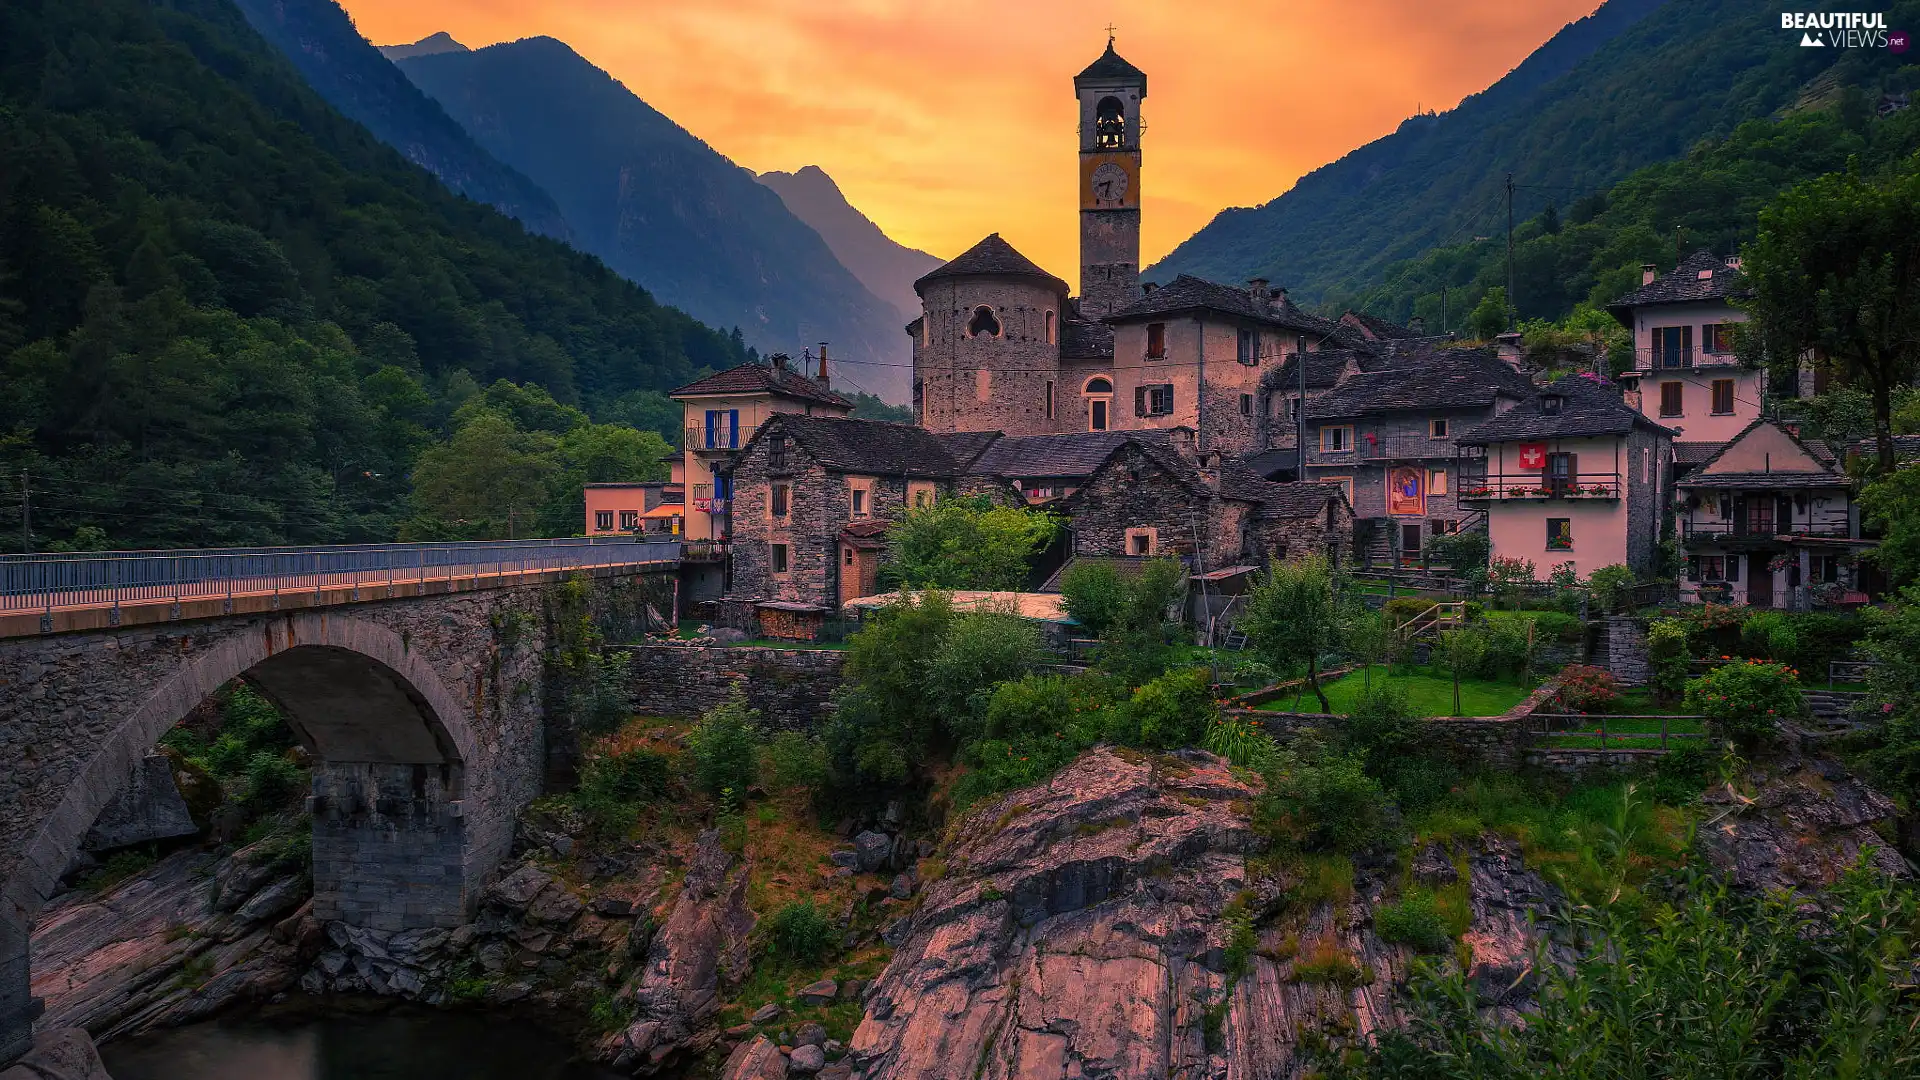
(967,543)
(1127,612)
(1293,618)
(490,479)
(1836,269)
(1891,503)
(1462,650)
(1489,316)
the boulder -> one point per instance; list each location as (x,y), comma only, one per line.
(555,906)
(59,1054)
(698,950)
(756,1060)
(1800,830)
(149,807)
(902,887)
(811,1035)
(807,1060)
(275,900)
(818,993)
(518,889)
(1434,867)
(871,851)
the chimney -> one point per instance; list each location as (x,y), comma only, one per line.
(779,361)
(1417,324)
(1147,287)
(823,364)
(1258,287)
(1648,272)
(1281,300)
(1182,438)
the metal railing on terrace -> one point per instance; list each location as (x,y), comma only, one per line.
(718,436)
(1758,529)
(112,578)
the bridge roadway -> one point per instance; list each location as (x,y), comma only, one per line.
(55,593)
(416,675)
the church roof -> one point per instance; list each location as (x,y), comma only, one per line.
(1189,293)
(751,378)
(1700,276)
(1110,68)
(992,256)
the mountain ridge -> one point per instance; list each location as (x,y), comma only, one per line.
(885,266)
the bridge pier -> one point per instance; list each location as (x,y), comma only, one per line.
(391,849)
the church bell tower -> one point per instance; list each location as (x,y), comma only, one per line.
(1110,91)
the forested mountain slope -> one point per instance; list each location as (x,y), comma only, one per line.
(230,315)
(663,207)
(1637,82)
(356,79)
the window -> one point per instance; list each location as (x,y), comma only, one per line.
(629,520)
(1049,327)
(779,558)
(780,495)
(1097,415)
(1823,569)
(1109,124)
(1722,397)
(1336,440)
(920,494)
(777,452)
(1247,349)
(1157,341)
(723,429)
(1670,398)
(983,323)
(1436,481)
(1716,338)
(1246,404)
(603,520)
(1098,385)
(1049,393)
(1559,534)
(859,502)
(1563,472)
(1154,400)
(1711,568)
(1672,346)
(1437,429)
(1551,404)
(1279,550)
(1143,541)
(846,556)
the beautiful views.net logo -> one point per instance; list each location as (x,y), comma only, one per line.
(1843,29)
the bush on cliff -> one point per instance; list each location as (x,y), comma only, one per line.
(725,747)
(1746,702)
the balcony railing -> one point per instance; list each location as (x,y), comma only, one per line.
(1413,447)
(717,437)
(1758,530)
(1513,489)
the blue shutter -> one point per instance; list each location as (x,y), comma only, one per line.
(733,429)
(713,427)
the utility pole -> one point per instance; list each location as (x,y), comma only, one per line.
(1300,408)
(26,516)
(1443,310)
(1510,304)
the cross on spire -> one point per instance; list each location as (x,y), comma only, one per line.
(1110,29)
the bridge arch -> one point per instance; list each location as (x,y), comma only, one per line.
(398,759)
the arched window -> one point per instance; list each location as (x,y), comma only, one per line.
(983,322)
(1109,124)
(1097,385)
(1099,394)
(1049,327)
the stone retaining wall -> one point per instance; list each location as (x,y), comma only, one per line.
(1627,650)
(792,688)
(1579,762)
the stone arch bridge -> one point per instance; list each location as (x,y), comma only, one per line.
(420,695)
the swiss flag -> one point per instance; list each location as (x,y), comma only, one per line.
(1533,455)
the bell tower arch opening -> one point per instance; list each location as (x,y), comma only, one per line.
(1110,92)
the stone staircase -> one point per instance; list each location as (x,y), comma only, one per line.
(1833,708)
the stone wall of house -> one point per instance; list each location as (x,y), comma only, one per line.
(1133,492)
(988,383)
(1644,481)
(1270,538)
(1627,650)
(792,688)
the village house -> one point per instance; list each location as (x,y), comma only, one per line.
(655,508)
(1571,475)
(1769,521)
(1685,375)
(1388,439)
(722,411)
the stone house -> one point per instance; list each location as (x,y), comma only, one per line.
(1572,475)
(721,413)
(1388,438)
(1685,376)
(1769,521)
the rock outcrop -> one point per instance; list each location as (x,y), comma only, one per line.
(184,939)
(1086,928)
(148,807)
(755,1060)
(699,949)
(59,1054)
(1800,830)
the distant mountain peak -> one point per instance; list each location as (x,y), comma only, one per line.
(886,267)
(432,44)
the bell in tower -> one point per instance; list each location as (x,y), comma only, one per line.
(1110,91)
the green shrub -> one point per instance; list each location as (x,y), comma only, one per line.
(1669,642)
(1242,939)
(794,760)
(1380,725)
(1401,609)
(1681,774)
(272,781)
(886,718)
(1507,645)
(1473,611)
(1334,805)
(1745,702)
(1463,551)
(1094,596)
(799,934)
(1169,712)
(1239,740)
(1558,625)
(1612,588)
(725,749)
(1414,921)
(614,786)
(1769,635)
(978,652)
(598,692)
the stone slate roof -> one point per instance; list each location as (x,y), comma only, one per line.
(967,446)
(1074,454)
(1695,453)
(873,447)
(1082,339)
(762,379)
(1324,368)
(1267,462)
(992,256)
(1295,500)
(1447,379)
(1109,68)
(1589,407)
(1765,480)
(1381,328)
(1188,293)
(1683,286)
(1906,448)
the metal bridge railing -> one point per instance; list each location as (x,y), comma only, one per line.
(99,579)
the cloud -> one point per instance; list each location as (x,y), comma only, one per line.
(946,121)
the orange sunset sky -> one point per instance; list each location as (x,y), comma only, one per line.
(944,121)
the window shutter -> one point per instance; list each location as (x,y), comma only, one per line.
(733,428)
(1573,469)
(1733,568)
(1686,346)
(1166,399)
(1139,401)
(1693,568)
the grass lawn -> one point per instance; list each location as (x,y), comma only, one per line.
(1430,693)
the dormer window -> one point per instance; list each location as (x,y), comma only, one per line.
(1550,404)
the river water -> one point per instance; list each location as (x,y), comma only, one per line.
(393,1046)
